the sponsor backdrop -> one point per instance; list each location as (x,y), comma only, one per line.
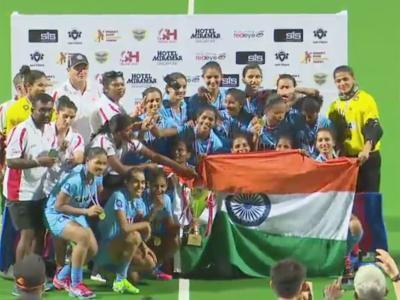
(146,47)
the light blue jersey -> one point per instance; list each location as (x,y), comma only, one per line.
(81,195)
(214,143)
(165,213)
(120,200)
(196,103)
(159,145)
(180,117)
(232,125)
(73,184)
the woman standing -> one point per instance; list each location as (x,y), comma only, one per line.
(355,116)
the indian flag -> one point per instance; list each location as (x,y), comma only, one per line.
(275,205)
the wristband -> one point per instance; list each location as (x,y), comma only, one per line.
(396,278)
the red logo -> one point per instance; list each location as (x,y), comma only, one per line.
(129,57)
(167,35)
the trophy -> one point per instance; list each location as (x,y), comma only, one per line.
(198,203)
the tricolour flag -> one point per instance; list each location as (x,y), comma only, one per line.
(277,205)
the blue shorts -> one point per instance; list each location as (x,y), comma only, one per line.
(56,222)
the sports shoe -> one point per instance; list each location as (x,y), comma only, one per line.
(48,285)
(161,275)
(60,284)
(98,278)
(15,291)
(81,291)
(123,286)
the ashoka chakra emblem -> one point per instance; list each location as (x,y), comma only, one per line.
(248,209)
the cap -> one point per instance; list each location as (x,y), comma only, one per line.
(76,59)
(370,283)
(30,272)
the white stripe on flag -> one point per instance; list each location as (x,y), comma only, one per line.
(317,215)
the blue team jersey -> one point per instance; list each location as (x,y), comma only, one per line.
(195,103)
(160,145)
(214,144)
(256,104)
(232,125)
(158,222)
(120,200)
(181,117)
(73,184)
(298,128)
(270,135)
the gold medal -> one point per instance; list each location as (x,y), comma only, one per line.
(102,216)
(156,241)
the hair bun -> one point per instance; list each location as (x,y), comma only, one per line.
(24,70)
(167,79)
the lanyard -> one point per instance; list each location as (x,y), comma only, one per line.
(218,102)
(94,197)
(174,115)
(314,131)
(197,147)
(129,219)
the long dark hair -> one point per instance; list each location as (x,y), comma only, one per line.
(30,76)
(116,124)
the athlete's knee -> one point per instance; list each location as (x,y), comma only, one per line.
(82,237)
(94,248)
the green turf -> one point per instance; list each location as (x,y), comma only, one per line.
(248,289)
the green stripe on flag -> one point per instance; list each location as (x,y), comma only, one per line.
(253,252)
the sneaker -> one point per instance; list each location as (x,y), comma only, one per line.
(48,285)
(15,291)
(161,275)
(81,291)
(125,286)
(62,284)
(98,278)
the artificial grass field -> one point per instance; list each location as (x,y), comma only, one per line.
(248,289)
(237,289)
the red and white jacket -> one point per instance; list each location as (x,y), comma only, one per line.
(107,109)
(29,142)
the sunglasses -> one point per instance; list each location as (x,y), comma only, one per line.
(176,86)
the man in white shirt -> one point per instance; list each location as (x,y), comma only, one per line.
(27,156)
(84,94)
